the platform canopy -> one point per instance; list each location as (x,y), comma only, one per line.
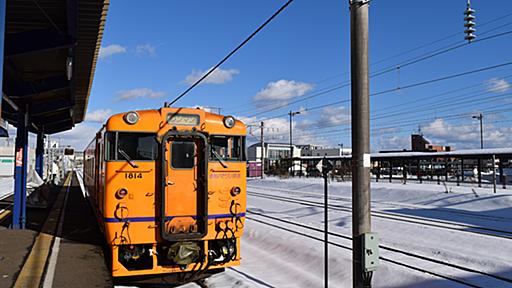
(50,54)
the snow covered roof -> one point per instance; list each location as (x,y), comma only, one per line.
(409,154)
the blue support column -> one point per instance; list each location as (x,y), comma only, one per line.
(40,154)
(20,173)
(2,38)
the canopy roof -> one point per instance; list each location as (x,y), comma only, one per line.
(50,55)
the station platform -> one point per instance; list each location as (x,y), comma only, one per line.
(61,246)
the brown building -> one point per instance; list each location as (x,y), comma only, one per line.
(420,144)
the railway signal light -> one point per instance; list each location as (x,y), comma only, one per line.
(470,24)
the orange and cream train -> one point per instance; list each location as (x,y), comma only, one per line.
(168,190)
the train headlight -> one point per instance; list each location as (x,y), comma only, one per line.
(235,191)
(229,121)
(121,193)
(131,117)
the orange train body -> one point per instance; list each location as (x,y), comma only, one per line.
(168,187)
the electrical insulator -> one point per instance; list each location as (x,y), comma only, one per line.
(470,24)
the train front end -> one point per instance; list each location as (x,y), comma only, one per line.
(174,191)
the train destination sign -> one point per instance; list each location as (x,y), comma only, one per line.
(183,119)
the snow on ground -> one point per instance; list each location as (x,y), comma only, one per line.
(465,205)
(282,254)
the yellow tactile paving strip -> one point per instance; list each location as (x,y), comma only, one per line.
(32,272)
(4,215)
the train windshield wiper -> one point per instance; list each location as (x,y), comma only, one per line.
(219,159)
(126,157)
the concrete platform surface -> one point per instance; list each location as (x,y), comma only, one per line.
(81,260)
(76,258)
(15,246)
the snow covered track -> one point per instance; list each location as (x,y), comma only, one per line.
(416,260)
(395,217)
(429,237)
(389,204)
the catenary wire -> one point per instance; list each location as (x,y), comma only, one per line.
(452,76)
(417,48)
(232,52)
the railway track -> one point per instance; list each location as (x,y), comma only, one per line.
(498,281)
(395,217)
(395,204)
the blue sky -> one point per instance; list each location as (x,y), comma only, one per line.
(150,53)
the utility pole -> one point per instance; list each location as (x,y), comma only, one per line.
(481,117)
(262,151)
(362,268)
(291,138)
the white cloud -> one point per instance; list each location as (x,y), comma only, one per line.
(99,115)
(145,49)
(331,116)
(219,76)
(394,142)
(107,51)
(498,85)
(467,136)
(139,93)
(277,130)
(78,137)
(439,129)
(282,90)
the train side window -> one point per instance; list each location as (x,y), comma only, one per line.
(138,146)
(110,148)
(182,155)
(231,148)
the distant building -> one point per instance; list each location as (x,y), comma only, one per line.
(7,157)
(271,151)
(315,150)
(420,144)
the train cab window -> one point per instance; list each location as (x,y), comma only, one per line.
(137,146)
(230,148)
(182,155)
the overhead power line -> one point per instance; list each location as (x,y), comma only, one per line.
(385,71)
(430,98)
(442,78)
(405,87)
(232,52)
(407,62)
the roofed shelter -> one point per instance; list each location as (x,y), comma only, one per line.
(49,54)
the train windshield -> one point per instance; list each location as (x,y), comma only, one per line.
(131,146)
(226,147)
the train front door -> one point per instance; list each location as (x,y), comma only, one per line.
(184,186)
